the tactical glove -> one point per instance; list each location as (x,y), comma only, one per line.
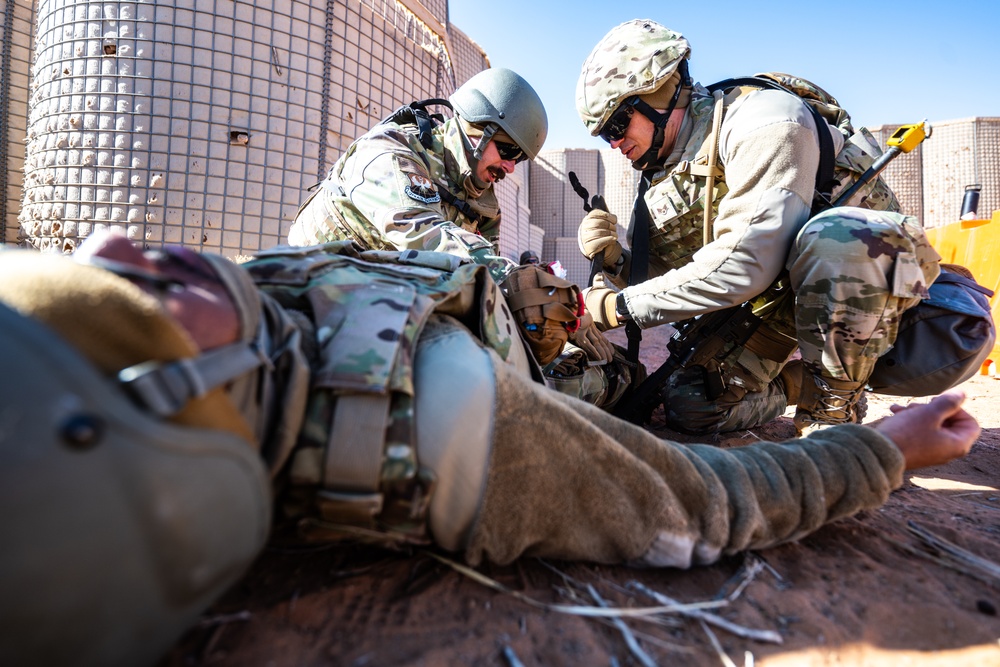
(592,341)
(601,306)
(597,232)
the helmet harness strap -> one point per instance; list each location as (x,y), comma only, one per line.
(659,120)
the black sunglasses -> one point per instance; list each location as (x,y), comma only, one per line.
(615,127)
(509,151)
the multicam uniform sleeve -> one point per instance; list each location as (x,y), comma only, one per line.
(397,194)
(770,152)
(605,490)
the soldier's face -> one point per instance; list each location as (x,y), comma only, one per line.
(181,279)
(492,167)
(637,139)
(639,135)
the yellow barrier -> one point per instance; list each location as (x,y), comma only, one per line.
(976,245)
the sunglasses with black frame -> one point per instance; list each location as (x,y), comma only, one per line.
(509,151)
(615,127)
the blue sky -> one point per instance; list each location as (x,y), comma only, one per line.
(886,62)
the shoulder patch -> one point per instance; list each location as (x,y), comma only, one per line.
(422,189)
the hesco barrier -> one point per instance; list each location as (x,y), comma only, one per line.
(204,123)
(16,22)
(975,244)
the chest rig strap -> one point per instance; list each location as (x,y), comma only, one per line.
(712,170)
(825,181)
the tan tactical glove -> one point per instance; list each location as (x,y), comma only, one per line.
(546,308)
(592,341)
(597,232)
(601,306)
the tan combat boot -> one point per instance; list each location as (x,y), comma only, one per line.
(791,380)
(826,401)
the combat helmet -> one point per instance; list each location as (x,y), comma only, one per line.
(121,527)
(500,99)
(634,60)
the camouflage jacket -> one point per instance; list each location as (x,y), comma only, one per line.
(764,189)
(365,312)
(390,192)
(764,137)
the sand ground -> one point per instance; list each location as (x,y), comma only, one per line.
(864,591)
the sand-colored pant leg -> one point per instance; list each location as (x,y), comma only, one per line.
(567,480)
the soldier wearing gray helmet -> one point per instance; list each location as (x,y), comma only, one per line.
(156,403)
(731,186)
(420,182)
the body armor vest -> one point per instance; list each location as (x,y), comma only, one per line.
(677,198)
(418,130)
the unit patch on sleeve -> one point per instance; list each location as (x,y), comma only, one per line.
(422,189)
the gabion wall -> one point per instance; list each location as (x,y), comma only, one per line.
(16,25)
(204,123)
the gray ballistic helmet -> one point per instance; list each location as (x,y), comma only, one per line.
(118,528)
(503,98)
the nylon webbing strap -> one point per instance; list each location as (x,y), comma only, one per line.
(423,118)
(460,204)
(354,453)
(713,161)
(165,388)
(638,238)
(827,160)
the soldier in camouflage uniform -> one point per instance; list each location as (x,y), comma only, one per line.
(832,285)
(422,182)
(155,401)
(416,182)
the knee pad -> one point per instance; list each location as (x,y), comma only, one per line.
(455,397)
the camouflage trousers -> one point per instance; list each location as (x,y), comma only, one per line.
(853,273)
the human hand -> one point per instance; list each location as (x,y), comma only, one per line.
(591,341)
(597,232)
(600,302)
(932,433)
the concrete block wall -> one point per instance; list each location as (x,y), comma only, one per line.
(16,30)
(515,219)
(960,153)
(930,181)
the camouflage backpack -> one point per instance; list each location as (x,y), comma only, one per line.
(836,172)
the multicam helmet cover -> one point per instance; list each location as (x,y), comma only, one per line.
(635,58)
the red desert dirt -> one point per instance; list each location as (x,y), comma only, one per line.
(915,583)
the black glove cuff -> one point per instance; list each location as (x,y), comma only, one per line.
(621,309)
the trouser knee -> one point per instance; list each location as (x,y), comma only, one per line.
(689,410)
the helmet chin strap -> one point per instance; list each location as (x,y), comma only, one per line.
(660,120)
(488,133)
(475,154)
